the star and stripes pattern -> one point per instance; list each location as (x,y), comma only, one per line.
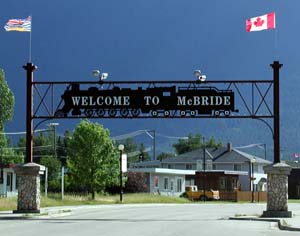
(21,25)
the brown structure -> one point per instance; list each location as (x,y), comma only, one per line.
(294,180)
(227,182)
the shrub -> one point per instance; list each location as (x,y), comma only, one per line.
(136,183)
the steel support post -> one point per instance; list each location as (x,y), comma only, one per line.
(29,67)
(276,102)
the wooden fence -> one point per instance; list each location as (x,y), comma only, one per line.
(238,196)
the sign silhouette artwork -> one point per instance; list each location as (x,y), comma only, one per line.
(154,102)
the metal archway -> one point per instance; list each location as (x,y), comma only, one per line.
(161,99)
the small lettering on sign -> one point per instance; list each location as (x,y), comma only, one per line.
(140,102)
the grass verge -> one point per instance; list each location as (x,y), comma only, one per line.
(73,200)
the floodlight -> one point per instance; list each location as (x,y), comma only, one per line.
(121,147)
(202,78)
(96,73)
(104,76)
(197,73)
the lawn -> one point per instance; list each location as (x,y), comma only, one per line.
(72,199)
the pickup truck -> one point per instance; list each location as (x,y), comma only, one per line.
(193,193)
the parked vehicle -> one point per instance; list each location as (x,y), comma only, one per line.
(193,193)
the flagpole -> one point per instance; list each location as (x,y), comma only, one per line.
(30,40)
(276,44)
(276,39)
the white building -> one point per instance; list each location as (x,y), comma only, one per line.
(167,182)
(8,180)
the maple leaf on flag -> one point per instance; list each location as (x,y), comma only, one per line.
(258,22)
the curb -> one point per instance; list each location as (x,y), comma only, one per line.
(42,215)
(279,222)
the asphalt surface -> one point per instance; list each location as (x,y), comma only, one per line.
(147,219)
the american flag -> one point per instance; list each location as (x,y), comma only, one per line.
(23,25)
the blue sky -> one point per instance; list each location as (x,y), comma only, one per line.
(147,40)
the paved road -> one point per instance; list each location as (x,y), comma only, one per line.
(148,220)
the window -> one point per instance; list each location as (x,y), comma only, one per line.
(169,166)
(166,183)
(234,184)
(209,165)
(222,183)
(214,166)
(188,166)
(172,185)
(237,167)
(1,176)
(8,180)
(155,180)
(255,167)
(179,185)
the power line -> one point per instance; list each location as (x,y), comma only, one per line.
(23,132)
(34,147)
(260,145)
(139,132)
(171,137)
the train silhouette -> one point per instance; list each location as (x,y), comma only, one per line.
(152,102)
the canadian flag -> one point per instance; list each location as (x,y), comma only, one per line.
(259,23)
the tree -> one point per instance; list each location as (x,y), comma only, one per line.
(54,166)
(93,160)
(165,155)
(7,101)
(42,146)
(145,154)
(194,142)
(134,151)
(130,148)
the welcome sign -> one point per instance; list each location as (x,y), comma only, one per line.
(157,102)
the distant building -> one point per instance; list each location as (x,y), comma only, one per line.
(167,182)
(294,180)
(8,181)
(226,160)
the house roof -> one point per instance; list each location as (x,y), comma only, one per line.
(192,156)
(239,156)
(163,171)
(218,155)
(293,164)
(225,172)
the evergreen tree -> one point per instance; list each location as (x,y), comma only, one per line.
(194,142)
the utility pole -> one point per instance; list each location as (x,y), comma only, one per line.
(121,148)
(154,144)
(53,127)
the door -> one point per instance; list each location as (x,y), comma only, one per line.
(9,184)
